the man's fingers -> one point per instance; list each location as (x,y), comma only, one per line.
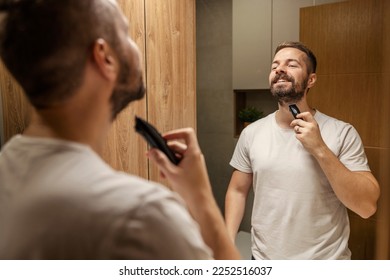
(186,134)
(177,147)
(161,160)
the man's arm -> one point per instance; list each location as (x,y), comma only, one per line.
(190,180)
(358,191)
(235,200)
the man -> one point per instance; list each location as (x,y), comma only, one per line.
(305,172)
(58,199)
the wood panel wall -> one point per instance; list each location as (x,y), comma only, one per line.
(165,31)
(383,227)
(171,68)
(165,34)
(124,149)
(348,41)
(16,107)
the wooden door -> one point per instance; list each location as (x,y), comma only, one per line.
(348,39)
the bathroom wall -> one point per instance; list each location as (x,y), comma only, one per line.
(215,117)
(214,89)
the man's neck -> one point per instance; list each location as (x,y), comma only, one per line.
(58,123)
(284,116)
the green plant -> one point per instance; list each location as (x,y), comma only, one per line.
(250,114)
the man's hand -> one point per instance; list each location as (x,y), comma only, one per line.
(190,179)
(308,133)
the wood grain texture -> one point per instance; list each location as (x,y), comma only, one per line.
(353,98)
(383,213)
(124,149)
(16,107)
(344,44)
(347,40)
(383,225)
(351,42)
(170,52)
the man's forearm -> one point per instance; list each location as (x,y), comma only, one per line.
(358,191)
(213,230)
(234,211)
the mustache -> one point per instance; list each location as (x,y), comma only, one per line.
(282,76)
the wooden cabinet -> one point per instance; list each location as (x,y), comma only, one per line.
(124,149)
(165,34)
(170,65)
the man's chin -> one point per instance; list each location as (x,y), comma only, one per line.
(283,97)
(285,87)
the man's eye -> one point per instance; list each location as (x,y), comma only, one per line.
(292,65)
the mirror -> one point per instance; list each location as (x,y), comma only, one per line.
(217,96)
(218,100)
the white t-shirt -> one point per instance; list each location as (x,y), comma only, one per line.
(296,214)
(59,200)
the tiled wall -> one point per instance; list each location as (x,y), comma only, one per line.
(214,90)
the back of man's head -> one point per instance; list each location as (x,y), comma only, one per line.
(45,43)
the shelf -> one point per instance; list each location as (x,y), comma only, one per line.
(259,98)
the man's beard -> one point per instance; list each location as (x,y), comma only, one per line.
(125,92)
(289,95)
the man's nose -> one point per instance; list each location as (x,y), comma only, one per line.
(280,69)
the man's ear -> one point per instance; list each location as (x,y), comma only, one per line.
(104,59)
(312,80)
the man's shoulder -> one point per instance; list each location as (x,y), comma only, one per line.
(326,121)
(259,125)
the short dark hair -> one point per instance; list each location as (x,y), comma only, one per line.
(45,44)
(312,60)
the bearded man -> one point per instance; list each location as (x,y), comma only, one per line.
(305,171)
(58,199)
